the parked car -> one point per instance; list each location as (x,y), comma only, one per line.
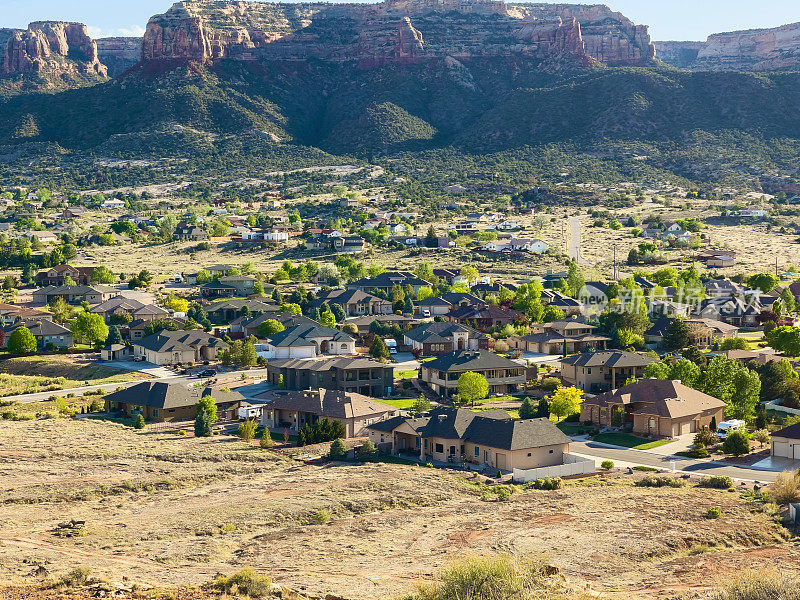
(207,373)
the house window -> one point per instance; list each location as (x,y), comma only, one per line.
(549,452)
(529,454)
(439,449)
(477,452)
(155,413)
(485,456)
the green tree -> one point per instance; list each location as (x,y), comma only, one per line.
(139,422)
(247,430)
(327,319)
(431,240)
(291,308)
(114,336)
(734,343)
(657,370)
(575,279)
(367,452)
(788,300)
(746,388)
(736,443)
(269,327)
(378,349)
(551,314)
(21,341)
(60,309)
(765,282)
(676,335)
(685,371)
(207,405)
(203,425)
(472,387)
(470,273)
(566,401)
(543,409)
(526,410)
(103,274)
(90,328)
(249,355)
(421,405)
(338,450)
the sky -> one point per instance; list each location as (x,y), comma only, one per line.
(668,19)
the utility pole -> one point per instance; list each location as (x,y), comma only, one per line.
(614,272)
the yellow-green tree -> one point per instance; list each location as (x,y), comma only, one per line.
(472,387)
(566,401)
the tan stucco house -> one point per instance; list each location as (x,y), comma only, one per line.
(655,407)
(178,347)
(596,372)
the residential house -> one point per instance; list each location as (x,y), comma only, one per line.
(748,213)
(362,324)
(243,284)
(570,306)
(47,333)
(58,274)
(702,331)
(601,371)
(432,339)
(293,410)
(189,232)
(437,306)
(485,316)
(228,310)
(178,347)
(121,306)
(75,294)
(306,341)
(654,407)
(486,289)
(112,203)
(44,237)
(731,310)
(136,329)
(350,374)
(355,303)
(534,246)
(167,402)
(73,212)
(503,375)
(217,289)
(785,443)
(560,337)
(721,288)
(492,439)
(387,280)
(243,327)
(12,313)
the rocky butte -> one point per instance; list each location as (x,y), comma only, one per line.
(393,31)
(51,48)
(760,50)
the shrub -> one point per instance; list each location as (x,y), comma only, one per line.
(338,450)
(699,451)
(706,438)
(786,488)
(713,513)
(139,422)
(502,577)
(717,482)
(660,481)
(367,452)
(736,443)
(77,576)
(181,432)
(550,384)
(760,585)
(246,581)
(247,430)
(645,469)
(319,517)
(266,442)
(324,430)
(547,483)
(607,465)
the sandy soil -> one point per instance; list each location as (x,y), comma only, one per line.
(167,510)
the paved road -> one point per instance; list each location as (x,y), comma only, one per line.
(686,465)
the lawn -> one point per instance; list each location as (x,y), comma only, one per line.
(51,373)
(406,374)
(575,428)
(628,441)
(401,403)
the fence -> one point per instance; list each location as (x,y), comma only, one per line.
(775,405)
(573,465)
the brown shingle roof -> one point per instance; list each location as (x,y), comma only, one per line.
(658,397)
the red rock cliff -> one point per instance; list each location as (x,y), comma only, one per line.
(52,48)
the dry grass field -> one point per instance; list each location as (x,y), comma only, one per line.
(165,510)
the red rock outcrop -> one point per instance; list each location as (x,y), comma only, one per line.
(52,48)
(403,31)
(761,50)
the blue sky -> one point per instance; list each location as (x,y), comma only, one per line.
(668,19)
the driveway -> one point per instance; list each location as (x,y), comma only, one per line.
(631,458)
(140,367)
(682,443)
(405,362)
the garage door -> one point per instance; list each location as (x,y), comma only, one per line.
(780,449)
(796,449)
(686,427)
(501,461)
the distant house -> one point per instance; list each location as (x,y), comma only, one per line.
(46,332)
(306,341)
(655,407)
(733,311)
(45,237)
(702,331)
(112,203)
(217,289)
(228,310)
(432,339)
(56,275)
(387,280)
(516,245)
(295,409)
(74,294)
(748,213)
(187,231)
(347,373)
(436,306)
(137,310)
(178,347)
(560,337)
(11,314)
(600,371)
(73,212)
(355,303)
(485,316)
(492,439)
(166,402)
(362,324)
(503,375)
(785,442)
